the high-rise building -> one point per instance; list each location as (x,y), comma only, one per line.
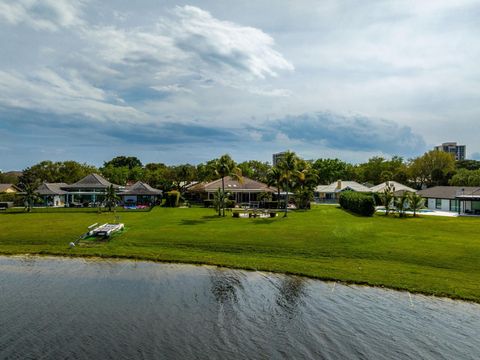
(458,151)
(277,157)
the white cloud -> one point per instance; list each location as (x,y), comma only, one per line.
(191,48)
(47,91)
(42,14)
(222,42)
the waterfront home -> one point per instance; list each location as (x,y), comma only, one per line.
(399,188)
(460,199)
(140,193)
(9,189)
(52,194)
(89,190)
(243,191)
(331,193)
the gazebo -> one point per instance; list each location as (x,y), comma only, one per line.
(52,194)
(140,193)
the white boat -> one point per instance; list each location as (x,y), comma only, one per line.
(106,230)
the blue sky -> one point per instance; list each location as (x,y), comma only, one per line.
(178,82)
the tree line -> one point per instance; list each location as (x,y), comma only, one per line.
(430,169)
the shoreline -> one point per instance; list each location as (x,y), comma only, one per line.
(124,258)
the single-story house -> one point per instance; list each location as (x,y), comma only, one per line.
(399,188)
(243,191)
(90,189)
(140,193)
(331,193)
(461,199)
(9,189)
(52,194)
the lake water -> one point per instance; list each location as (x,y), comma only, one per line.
(53,308)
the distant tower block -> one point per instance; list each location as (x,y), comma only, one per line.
(277,157)
(458,151)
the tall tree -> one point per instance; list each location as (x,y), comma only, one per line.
(330,170)
(124,161)
(288,168)
(415,202)
(111,198)
(255,170)
(54,172)
(275,178)
(388,196)
(30,195)
(465,177)
(225,166)
(432,168)
(305,183)
(183,175)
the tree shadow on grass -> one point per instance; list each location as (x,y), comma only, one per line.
(263,221)
(191,222)
(203,220)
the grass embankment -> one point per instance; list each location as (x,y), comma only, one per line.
(431,255)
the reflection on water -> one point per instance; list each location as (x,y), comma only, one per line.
(291,292)
(224,285)
(82,309)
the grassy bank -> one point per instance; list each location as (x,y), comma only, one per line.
(432,255)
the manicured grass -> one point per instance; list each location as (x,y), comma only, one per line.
(432,255)
(20,210)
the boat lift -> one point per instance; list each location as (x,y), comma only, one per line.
(104,231)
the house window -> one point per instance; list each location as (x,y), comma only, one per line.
(438,203)
(454,205)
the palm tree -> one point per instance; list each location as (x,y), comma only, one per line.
(274,178)
(401,204)
(288,169)
(29,195)
(218,200)
(223,167)
(416,202)
(305,182)
(387,196)
(111,198)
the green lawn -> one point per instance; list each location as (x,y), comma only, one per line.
(432,255)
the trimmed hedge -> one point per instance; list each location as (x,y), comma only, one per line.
(358,203)
(172,198)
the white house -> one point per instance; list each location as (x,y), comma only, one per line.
(399,188)
(460,199)
(331,193)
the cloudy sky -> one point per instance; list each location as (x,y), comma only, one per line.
(173,82)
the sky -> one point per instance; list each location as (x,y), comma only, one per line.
(185,82)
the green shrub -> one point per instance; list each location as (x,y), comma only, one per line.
(208,203)
(274,204)
(172,198)
(229,203)
(359,203)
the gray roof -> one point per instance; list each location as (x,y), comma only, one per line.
(398,187)
(4,187)
(231,185)
(51,189)
(450,192)
(141,188)
(92,181)
(339,186)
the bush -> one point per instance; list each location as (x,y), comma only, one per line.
(358,203)
(172,198)
(229,204)
(274,204)
(208,203)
